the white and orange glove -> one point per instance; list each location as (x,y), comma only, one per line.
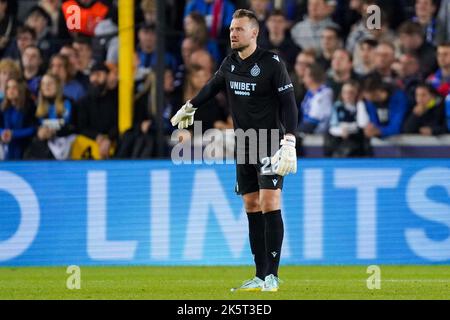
(184,117)
(284,162)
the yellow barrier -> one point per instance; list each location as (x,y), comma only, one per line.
(126,59)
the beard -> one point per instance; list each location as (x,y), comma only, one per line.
(98,89)
(240,48)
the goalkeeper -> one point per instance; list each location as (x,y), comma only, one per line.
(261,96)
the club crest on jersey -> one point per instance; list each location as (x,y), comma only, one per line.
(255,71)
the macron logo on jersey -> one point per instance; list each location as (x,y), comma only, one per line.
(242,88)
(276,57)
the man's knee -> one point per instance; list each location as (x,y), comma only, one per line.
(251,202)
(270,200)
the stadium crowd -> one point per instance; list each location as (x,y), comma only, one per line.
(59,86)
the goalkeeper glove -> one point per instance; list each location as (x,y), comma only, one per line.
(184,117)
(284,161)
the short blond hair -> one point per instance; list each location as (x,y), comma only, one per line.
(148,5)
(244,13)
(9,65)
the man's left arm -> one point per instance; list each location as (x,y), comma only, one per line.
(284,88)
(284,161)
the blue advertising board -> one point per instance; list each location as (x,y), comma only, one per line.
(158,213)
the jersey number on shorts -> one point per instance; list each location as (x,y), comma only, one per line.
(267,169)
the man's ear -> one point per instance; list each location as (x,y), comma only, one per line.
(256,32)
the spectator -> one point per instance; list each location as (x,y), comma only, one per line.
(146,51)
(440,80)
(97,120)
(17,121)
(384,60)
(345,138)
(32,63)
(344,16)
(26,36)
(218,15)
(278,40)
(330,41)
(384,33)
(213,112)
(443,22)
(54,114)
(261,10)
(428,116)
(188,46)
(364,61)
(315,110)
(83,47)
(8,25)
(91,12)
(425,11)
(69,51)
(202,58)
(306,34)
(195,27)
(60,66)
(58,28)
(290,8)
(359,30)
(199,57)
(379,35)
(386,107)
(112,80)
(395,12)
(8,70)
(304,59)
(409,75)
(40,21)
(341,71)
(149,11)
(140,141)
(412,41)
(172,101)
(105,43)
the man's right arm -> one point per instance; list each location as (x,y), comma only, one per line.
(185,116)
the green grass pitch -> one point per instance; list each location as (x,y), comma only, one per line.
(187,283)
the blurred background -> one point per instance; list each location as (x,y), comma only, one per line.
(77,93)
(99,80)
